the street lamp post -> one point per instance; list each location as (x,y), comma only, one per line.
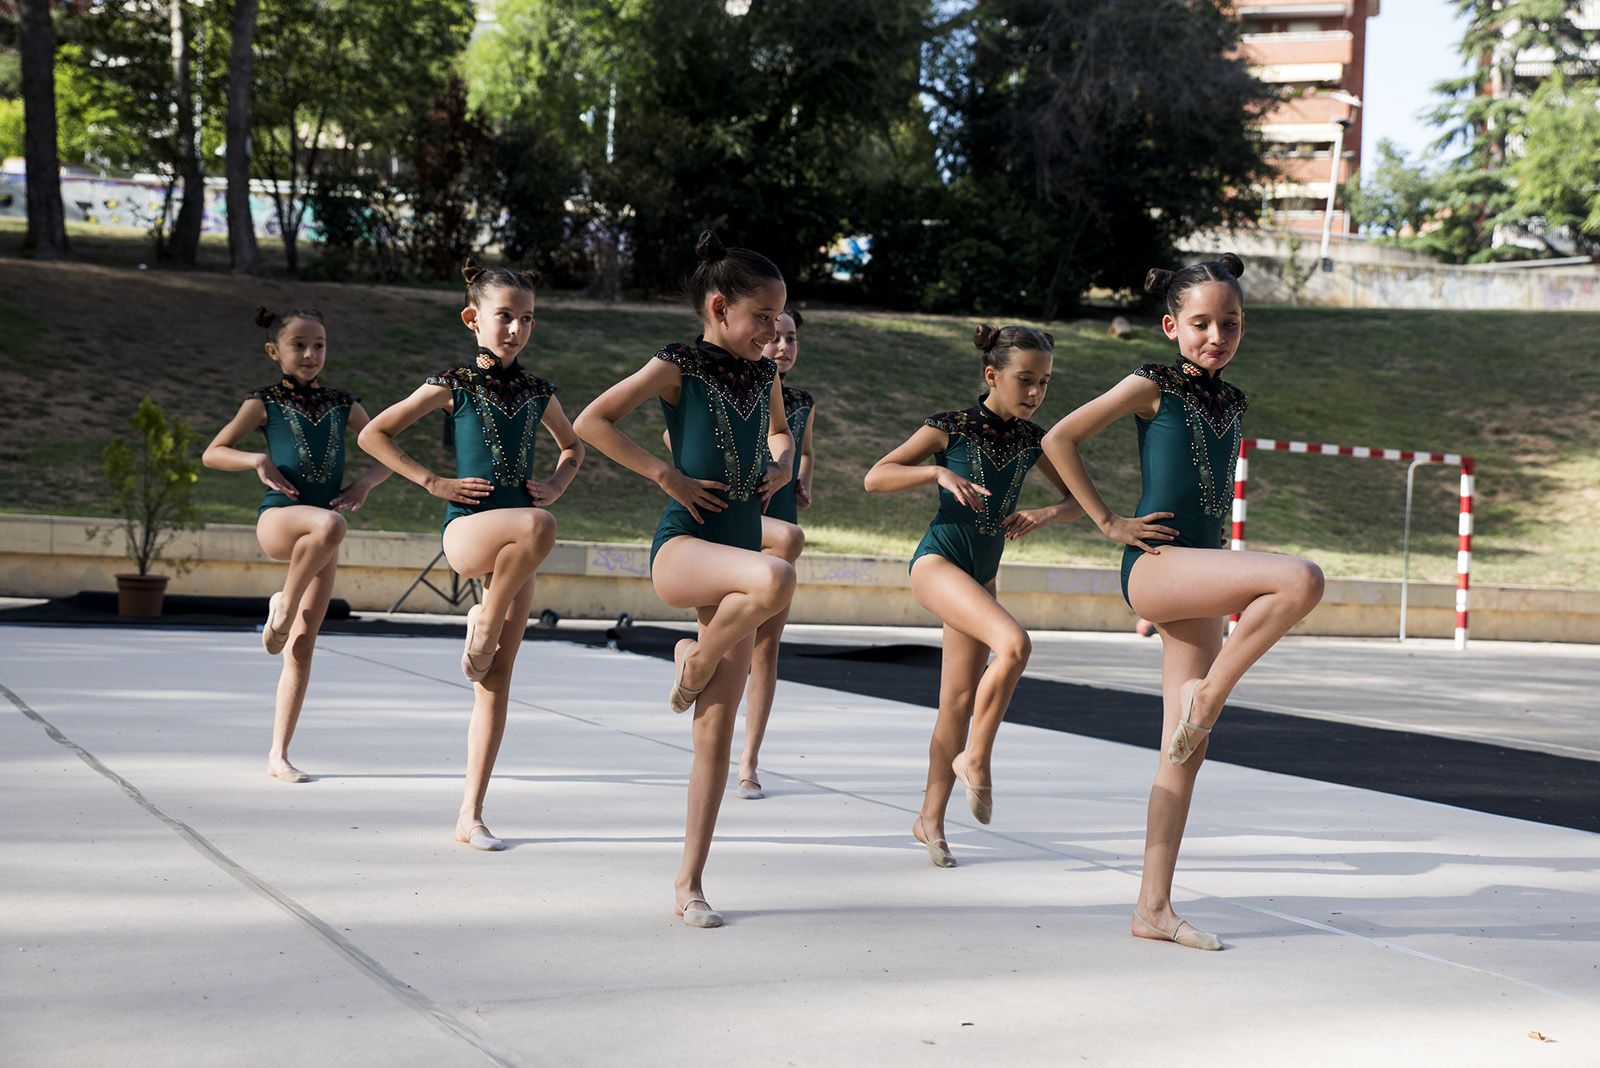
(1333,174)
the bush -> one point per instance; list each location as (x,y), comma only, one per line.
(152,481)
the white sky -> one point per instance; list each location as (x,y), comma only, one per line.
(1410,46)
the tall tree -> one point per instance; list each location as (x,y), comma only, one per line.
(1554,177)
(345,80)
(772,120)
(1081,141)
(1483,108)
(47,221)
(242,248)
(185,240)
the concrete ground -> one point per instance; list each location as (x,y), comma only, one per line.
(1528,695)
(163,902)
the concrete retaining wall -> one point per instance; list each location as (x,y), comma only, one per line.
(1371,274)
(53,556)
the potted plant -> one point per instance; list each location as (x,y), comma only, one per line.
(152,481)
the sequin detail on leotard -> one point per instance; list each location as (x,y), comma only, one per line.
(1208,404)
(1001,442)
(745,386)
(498,394)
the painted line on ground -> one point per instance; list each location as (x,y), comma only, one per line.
(407,995)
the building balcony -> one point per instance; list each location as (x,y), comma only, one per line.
(1247,9)
(1308,169)
(1290,49)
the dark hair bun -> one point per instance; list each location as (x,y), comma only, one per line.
(470,271)
(534,277)
(985,336)
(1232,264)
(265,318)
(1156,281)
(1048,336)
(710,247)
(794,313)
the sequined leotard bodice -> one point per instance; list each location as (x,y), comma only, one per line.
(496,416)
(1187,455)
(996,454)
(719,430)
(797,410)
(305,437)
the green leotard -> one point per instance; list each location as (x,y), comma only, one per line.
(496,417)
(305,438)
(719,431)
(1187,455)
(991,452)
(796,409)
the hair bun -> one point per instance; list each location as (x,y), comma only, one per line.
(534,277)
(1048,336)
(1232,264)
(794,313)
(1156,281)
(265,318)
(985,336)
(710,247)
(470,271)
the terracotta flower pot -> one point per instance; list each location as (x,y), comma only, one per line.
(140,596)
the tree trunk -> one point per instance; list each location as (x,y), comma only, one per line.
(242,249)
(185,242)
(47,221)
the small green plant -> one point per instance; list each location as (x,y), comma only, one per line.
(1295,273)
(152,481)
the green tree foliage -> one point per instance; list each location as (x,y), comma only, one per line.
(1081,141)
(1483,117)
(1555,172)
(1394,195)
(667,116)
(152,481)
(1485,107)
(339,85)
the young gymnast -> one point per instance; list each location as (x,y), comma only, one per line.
(781,536)
(981,456)
(495,520)
(304,424)
(1175,572)
(731,450)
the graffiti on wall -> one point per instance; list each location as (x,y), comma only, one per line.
(141,202)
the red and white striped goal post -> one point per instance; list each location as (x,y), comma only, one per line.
(1362,452)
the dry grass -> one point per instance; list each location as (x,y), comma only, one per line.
(80,343)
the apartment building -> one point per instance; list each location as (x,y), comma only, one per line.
(1315,51)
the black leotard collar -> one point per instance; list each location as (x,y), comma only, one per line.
(1206,386)
(487,362)
(712,349)
(299,388)
(984,412)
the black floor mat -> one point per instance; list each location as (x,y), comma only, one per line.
(1475,775)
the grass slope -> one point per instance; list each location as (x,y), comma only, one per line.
(80,343)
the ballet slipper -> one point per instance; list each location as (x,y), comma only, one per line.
(682,697)
(273,639)
(982,807)
(1183,745)
(468,667)
(287,773)
(706,917)
(478,837)
(1194,938)
(938,849)
(753,792)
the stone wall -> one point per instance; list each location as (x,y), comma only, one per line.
(52,556)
